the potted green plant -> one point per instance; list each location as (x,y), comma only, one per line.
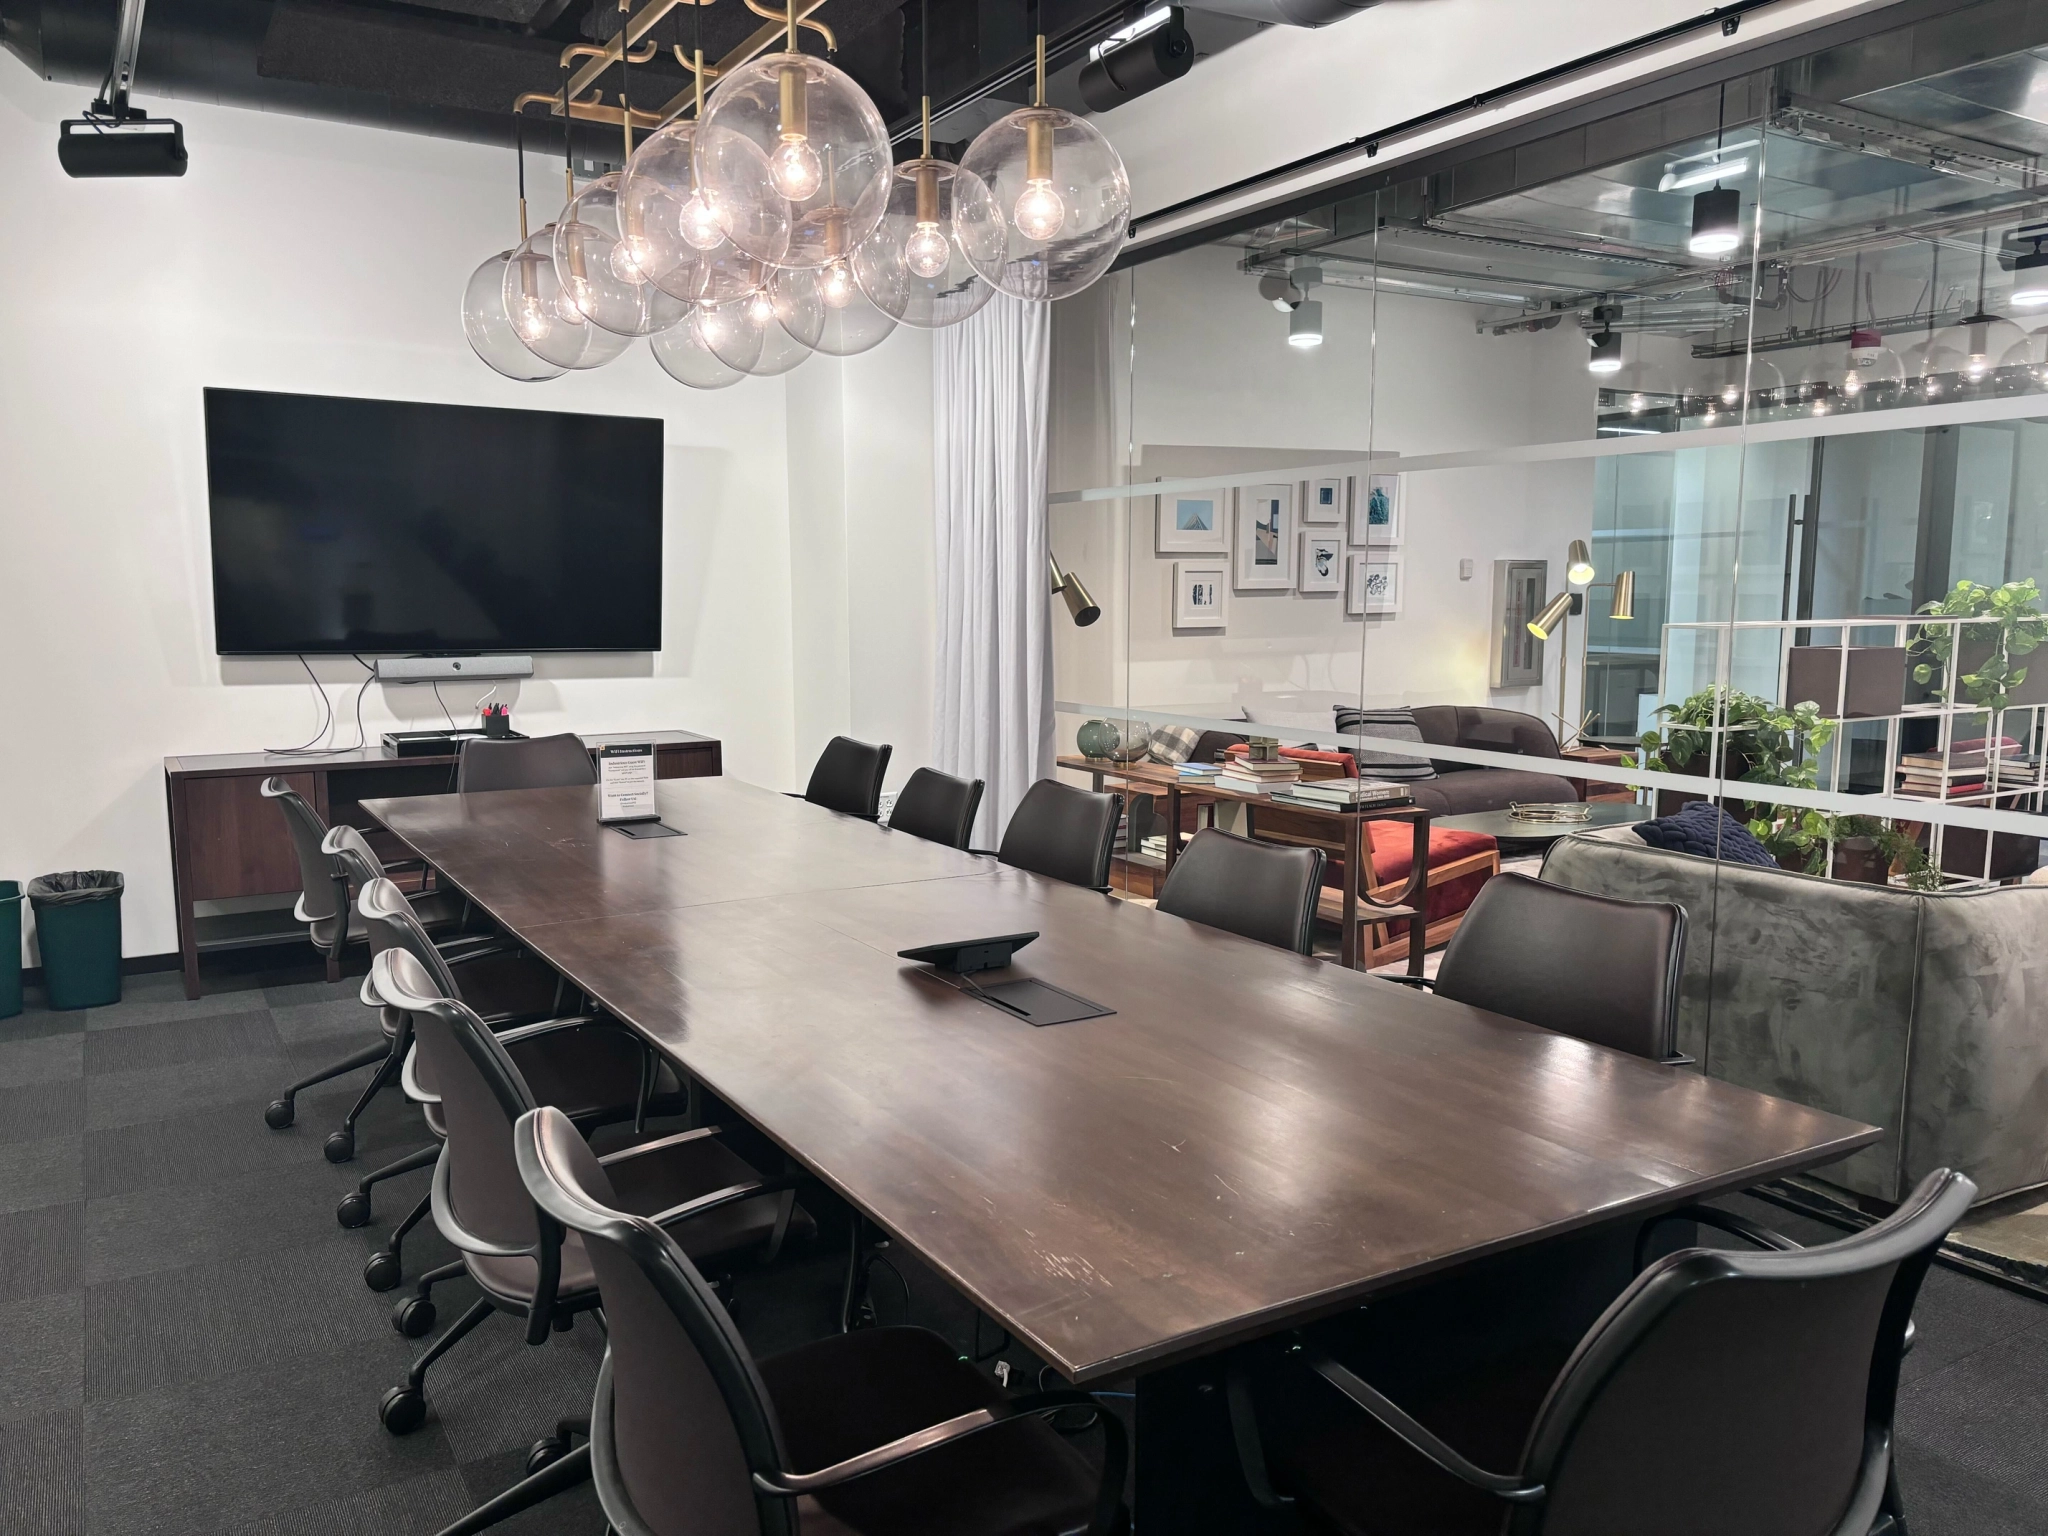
(1868,849)
(2008,625)
(1763,743)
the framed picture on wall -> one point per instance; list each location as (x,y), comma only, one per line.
(1322,562)
(1201,594)
(1375,585)
(1325,501)
(1195,523)
(1376,517)
(1265,538)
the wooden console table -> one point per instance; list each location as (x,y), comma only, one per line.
(227,843)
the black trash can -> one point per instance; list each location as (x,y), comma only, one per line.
(78,929)
(10,948)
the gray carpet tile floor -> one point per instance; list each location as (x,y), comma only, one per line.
(187,1344)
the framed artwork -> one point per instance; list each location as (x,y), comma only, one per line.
(1325,501)
(1520,589)
(1195,522)
(1322,562)
(1265,538)
(1375,585)
(1201,594)
(1376,519)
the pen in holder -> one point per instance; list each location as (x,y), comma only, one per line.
(497,720)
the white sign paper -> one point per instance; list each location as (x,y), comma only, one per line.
(625,783)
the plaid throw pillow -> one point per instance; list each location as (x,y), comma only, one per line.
(1173,743)
(1373,763)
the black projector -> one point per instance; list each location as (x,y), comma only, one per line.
(141,146)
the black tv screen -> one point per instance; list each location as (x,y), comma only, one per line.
(344,525)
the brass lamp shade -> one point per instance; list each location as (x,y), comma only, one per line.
(1083,607)
(1578,564)
(1624,595)
(1553,611)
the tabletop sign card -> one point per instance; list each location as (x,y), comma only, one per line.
(625,783)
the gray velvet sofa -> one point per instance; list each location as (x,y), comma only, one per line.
(1926,1014)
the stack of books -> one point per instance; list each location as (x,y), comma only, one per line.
(1198,773)
(1931,776)
(1346,794)
(1242,774)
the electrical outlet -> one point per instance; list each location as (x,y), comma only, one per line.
(885,805)
(1464,570)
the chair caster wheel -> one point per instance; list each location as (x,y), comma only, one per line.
(354,1210)
(413,1317)
(340,1147)
(545,1453)
(403,1410)
(279,1114)
(383,1271)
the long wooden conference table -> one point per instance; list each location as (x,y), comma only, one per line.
(1251,1140)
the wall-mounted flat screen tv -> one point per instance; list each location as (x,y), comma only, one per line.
(344,525)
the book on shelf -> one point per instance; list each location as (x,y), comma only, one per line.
(1934,789)
(1292,795)
(1972,754)
(1351,791)
(1279,768)
(1246,784)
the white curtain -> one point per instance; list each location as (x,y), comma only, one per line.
(992,716)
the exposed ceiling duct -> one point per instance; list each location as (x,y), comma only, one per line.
(1285,13)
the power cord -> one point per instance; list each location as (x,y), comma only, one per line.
(444,707)
(313,748)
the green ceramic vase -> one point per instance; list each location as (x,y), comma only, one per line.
(1098,738)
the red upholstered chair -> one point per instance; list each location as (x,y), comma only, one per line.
(1459,863)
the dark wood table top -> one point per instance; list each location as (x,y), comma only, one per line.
(1253,1137)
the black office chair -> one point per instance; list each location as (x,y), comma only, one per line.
(1265,891)
(323,907)
(524,1265)
(894,1433)
(848,777)
(937,807)
(1723,1391)
(538,762)
(1064,833)
(1593,967)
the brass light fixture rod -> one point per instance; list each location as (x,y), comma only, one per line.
(761,41)
(589,110)
(1038,96)
(591,50)
(636,28)
(793,22)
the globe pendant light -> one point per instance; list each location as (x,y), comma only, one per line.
(825,309)
(544,317)
(683,357)
(915,266)
(605,266)
(1062,192)
(748,334)
(484,318)
(826,150)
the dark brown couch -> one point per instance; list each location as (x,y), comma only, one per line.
(1460,789)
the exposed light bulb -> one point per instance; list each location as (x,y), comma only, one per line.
(1637,404)
(532,320)
(1852,384)
(1039,212)
(795,170)
(1730,393)
(1978,365)
(629,259)
(700,223)
(836,286)
(927,252)
(575,294)
(760,307)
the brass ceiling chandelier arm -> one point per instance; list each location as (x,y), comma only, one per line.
(591,50)
(762,39)
(589,109)
(784,18)
(636,28)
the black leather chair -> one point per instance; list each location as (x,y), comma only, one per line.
(538,762)
(1063,833)
(1593,967)
(937,807)
(1264,891)
(894,1433)
(848,777)
(1724,1391)
(525,1265)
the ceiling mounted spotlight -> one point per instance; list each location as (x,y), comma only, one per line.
(1606,354)
(1716,221)
(1141,57)
(1305,325)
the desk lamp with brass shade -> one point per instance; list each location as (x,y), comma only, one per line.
(1556,615)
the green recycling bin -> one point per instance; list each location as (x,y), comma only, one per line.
(78,929)
(10,948)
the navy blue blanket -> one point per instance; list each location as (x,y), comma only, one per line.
(1705,829)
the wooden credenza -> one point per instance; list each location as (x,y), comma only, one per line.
(229,843)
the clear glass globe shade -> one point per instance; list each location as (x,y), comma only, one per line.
(543,315)
(680,223)
(489,328)
(1872,369)
(1933,367)
(2025,354)
(1977,347)
(683,357)
(927,251)
(796,157)
(958,205)
(1059,190)
(735,335)
(605,264)
(805,308)
(1751,376)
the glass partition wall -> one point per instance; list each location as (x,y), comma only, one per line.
(1755,381)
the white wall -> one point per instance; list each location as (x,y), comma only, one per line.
(324,258)
(1213,375)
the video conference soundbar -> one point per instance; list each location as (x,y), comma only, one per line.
(443,669)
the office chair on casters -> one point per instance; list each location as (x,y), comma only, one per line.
(1063,833)
(537,762)
(848,777)
(1264,891)
(689,1432)
(1722,1391)
(323,907)
(1593,967)
(523,1265)
(937,807)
